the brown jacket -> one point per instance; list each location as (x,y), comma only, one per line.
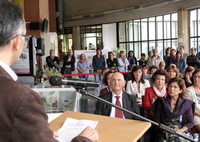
(23,117)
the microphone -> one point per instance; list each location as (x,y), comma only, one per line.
(58,81)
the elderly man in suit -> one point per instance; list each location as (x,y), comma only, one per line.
(118,97)
(23,117)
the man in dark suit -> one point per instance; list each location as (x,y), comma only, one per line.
(23,117)
(118,97)
(52,60)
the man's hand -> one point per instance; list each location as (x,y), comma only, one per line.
(90,134)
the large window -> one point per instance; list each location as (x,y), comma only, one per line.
(195,29)
(143,35)
(91,37)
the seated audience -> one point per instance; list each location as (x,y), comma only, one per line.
(162,65)
(123,63)
(150,54)
(191,60)
(143,60)
(179,62)
(174,111)
(144,72)
(106,81)
(137,85)
(193,93)
(101,85)
(111,61)
(131,59)
(118,97)
(83,67)
(173,55)
(160,78)
(188,76)
(152,70)
(167,57)
(52,60)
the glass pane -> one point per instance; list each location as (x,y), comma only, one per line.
(136,30)
(92,42)
(122,32)
(152,28)
(167,30)
(199,22)
(129,31)
(82,35)
(82,29)
(167,43)
(144,29)
(91,35)
(160,47)
(175,44)
(152,45)
(83,44)
(199,46)
(174,26)
(159,29)
(193,42)
(99,28)
(193,23)
(88,29)
(137,50)
(122,46)
(99,34)
(93,29)
(144,48)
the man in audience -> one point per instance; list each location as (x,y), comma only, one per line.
(162,65)
(191,60)
(118,97)
(155,59)
(68,63)
(52,60)
(98,63)
(184,55)
(23,117)
(144,72)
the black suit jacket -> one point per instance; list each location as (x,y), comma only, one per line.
(129,102)
(50,62)
(69,63)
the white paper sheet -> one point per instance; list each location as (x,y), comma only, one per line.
(73,127)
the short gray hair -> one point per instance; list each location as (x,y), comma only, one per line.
(162,62)
(11,22)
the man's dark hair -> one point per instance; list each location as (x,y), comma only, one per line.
(182,46)
(153,67)
(11,22)
(136,68)
(51,50)
(168,48)
(143,54)
(105,77)
(98,49)
(160,72)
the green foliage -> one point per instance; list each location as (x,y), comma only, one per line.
(116,51)
(51,72)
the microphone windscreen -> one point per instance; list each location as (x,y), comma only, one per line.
(55,80)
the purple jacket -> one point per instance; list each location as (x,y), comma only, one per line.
(185,107)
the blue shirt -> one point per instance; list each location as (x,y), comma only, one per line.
(83,66)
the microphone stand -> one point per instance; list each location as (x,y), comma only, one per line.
(161,126)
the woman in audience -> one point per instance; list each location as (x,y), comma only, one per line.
(152,70)
(188,76)
(150,54)
(172,71)
(167,57)
(83,67)
(123,63)
(111,61)
(137,85)
(106,81)
(144,72)
(193,93)
(174,111)
(179,62)
(160,78)
(173,55)
(131,59)
(143,60)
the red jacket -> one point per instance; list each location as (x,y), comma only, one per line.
(148,98)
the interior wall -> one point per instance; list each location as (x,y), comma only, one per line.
(109,36)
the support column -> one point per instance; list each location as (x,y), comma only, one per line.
(183,30)
(76,37)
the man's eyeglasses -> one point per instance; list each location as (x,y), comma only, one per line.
(25,36)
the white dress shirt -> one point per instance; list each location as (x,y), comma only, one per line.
(8,70)
(114,99)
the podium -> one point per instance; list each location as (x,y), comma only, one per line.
(110,129)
